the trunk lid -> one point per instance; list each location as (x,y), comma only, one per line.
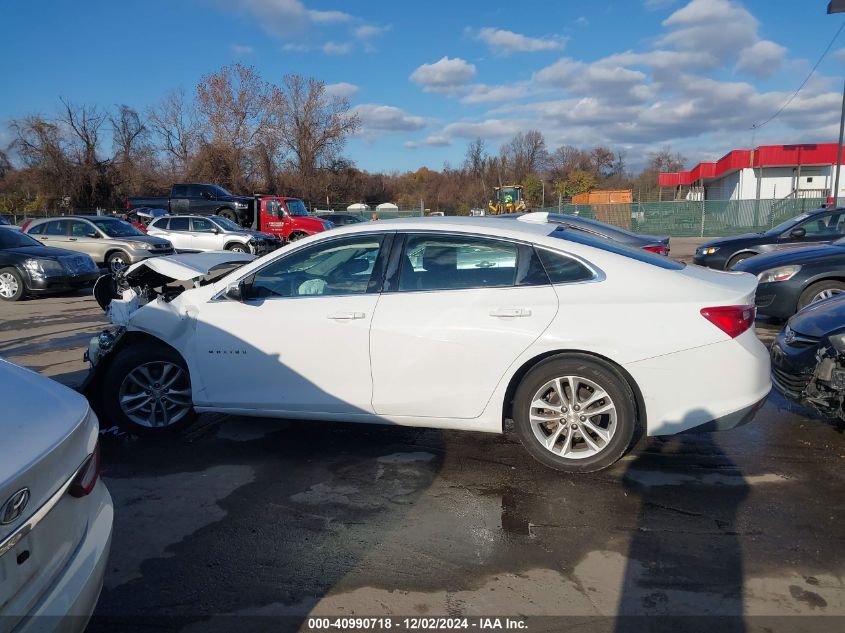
(47,434)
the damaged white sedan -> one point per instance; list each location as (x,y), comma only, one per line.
(445,323)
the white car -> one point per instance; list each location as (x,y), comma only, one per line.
(454,323)
(199,233)
(55,514)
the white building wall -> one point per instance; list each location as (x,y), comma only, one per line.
(777,182)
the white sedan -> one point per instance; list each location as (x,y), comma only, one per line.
(55,514)
(454,323)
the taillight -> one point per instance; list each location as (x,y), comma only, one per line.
(86,479)
(732,320)
(128,206)
(657,248)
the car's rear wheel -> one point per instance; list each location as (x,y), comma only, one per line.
(574,413)
(11,285)
(733,261)
(228,214)
(117,261)
(147,391)
(820,291)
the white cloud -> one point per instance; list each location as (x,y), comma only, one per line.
(384,118)
(719,27)
(241,50)
(410,145)
(369,31)
(342,89)
(286,17)
(445,75)
(489,128)
(582,21)
(438,140)
(762,59)
(337,48)
(502,42)
(839,54)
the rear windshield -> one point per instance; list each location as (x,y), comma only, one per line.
(580,237)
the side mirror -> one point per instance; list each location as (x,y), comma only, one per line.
(798,233)
(236,291)
(216,231)
(92,234)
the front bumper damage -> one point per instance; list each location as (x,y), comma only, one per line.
(817,383)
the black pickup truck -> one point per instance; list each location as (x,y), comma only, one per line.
(201,199)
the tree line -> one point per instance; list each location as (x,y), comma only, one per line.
(249,135)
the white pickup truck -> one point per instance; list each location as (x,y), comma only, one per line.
(198,233)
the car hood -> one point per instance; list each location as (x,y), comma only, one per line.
(44,252)
(820,319)
(759,263)
(744,237)
(244,199)
(261,236)
(181,267)
(317,224)
(148,239)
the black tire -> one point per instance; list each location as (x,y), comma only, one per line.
(116,382)
(600,374)
(229,214)
(12,285)
(116,261)
(810,294)
(733,261)
(296,235)
(237,247)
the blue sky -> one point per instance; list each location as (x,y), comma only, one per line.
(427,77)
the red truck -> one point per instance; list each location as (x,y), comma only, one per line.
(286,217)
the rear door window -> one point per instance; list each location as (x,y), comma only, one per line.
(56,228)
(178,224)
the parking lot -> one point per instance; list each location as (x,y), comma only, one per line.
(250,517)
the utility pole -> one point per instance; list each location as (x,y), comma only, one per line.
(838,6)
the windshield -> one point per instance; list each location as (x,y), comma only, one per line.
(4,221)
(16,239)
(219,191)
(226,223)
(117,228)
(612,246)
(296,207)
(780,228)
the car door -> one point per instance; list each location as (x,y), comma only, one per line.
(85,238)
(819,229)
(55,234)
(179,233)
(205,236)
(463,309)
(202,199)
(179,202)
(298,341)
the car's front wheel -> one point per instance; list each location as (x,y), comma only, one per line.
(147,391)
(574,413)
(117,261)
(821,291)
(237,248)
(11,285)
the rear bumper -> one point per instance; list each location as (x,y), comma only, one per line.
(68,604)
(714,386)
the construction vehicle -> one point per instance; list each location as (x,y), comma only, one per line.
(508,200)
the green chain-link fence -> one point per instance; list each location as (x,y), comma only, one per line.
(689,218)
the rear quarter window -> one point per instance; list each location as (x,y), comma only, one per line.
(562,269)
(580,237)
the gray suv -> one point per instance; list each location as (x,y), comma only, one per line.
(108,240)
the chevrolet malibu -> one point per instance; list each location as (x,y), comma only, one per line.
(55,514)
(446,323)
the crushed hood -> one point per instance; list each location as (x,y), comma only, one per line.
(161,270)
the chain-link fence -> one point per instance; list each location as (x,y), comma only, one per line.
(702,218)
(368,214)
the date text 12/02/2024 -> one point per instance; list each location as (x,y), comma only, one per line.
(316,625)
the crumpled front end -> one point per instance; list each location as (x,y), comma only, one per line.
(810,371)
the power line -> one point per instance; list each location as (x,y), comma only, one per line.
(803,83)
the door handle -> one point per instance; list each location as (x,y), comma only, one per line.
(71,239)
(510,312)
(347,316)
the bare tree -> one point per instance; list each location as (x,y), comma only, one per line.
(129,134)
(476,164)
(173,121)
(314,125)
(526,152)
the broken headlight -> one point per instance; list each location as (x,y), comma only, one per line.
(838,342)
(102,344)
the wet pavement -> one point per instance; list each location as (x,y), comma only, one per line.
(270,522)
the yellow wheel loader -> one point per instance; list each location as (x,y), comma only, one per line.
(508,200)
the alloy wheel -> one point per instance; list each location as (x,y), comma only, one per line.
(156,394)
(8,285)
(117,263)
(573,417)
(827,293)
